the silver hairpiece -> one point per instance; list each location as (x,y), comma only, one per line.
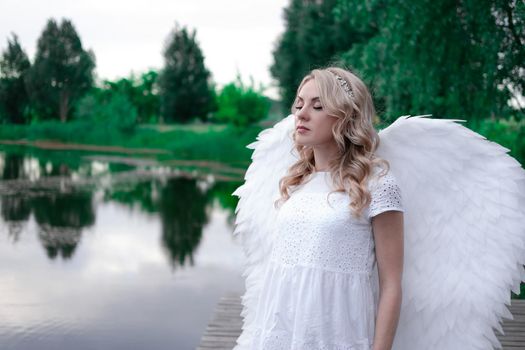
(344,84)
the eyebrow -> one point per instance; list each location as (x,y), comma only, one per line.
(313,99)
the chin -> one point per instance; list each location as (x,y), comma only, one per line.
(300,143)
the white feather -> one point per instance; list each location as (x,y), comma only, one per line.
(272,156)
(464,200)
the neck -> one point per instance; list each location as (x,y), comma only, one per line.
(323,154)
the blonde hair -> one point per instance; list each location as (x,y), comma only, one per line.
(354,133)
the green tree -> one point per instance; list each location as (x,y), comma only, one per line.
(510,20)
(141,91)
(148,99)
(14,66)
(185,91)
(313,37)
(241,105)
(451,59)
(62,71)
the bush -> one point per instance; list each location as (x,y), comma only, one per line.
(509,133)
(108,110)
(241,105)
(224,145)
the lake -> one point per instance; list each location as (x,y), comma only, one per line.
(108,252)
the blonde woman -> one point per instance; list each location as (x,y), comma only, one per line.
(330,261)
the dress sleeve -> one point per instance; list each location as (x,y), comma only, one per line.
(386,195)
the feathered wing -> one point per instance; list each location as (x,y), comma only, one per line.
(464,201)
(255,214)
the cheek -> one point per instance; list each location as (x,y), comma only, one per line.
(325,131)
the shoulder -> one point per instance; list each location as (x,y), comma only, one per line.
(385,193)
(381,178)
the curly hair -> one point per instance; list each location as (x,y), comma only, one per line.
(354,133)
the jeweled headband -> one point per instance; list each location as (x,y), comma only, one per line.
(344,84)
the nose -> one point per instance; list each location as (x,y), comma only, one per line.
(300,114)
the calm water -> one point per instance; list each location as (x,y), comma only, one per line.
(95,254)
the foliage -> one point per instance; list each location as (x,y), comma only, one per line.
(119,104)
(62,71)
(14,65)
(447,58)
(107,109)
(313,36)
(522,292)
(181,141)
(142,92)
(212,145)
(241,105)
(185,92)
(509,133)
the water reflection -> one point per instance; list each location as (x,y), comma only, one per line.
(13,167)
(137,257)
(15,211)
(180,203)
(60,219)
(182,211)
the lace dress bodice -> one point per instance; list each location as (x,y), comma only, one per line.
(320,286)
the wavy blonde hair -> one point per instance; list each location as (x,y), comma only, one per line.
(354,133)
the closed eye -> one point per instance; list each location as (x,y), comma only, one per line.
(316,108)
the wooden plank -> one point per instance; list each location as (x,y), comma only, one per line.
(514,330)
(225,326)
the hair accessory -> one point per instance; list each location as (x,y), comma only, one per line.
(344,84)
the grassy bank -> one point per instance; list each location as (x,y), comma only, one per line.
(221,143)
(216,142)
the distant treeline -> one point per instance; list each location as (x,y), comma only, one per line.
(59,85)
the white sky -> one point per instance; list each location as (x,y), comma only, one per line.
(129,35)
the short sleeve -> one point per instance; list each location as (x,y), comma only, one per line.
(386,195)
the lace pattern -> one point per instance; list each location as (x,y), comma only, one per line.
(314,233)
(317,230)
(386,195)
(284,341)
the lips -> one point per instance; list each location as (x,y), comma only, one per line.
(300,127)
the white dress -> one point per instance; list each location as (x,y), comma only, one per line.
(320,285)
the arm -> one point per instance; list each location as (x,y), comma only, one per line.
(388,236)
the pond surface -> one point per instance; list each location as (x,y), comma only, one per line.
(96,253)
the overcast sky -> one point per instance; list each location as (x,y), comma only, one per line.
(129,35)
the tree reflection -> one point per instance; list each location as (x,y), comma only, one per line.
(181,205)
(182,209)
(141,194)
(16,210)
(222,193)
(61,218)
(13,167)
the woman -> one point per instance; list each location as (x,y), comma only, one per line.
(326,267)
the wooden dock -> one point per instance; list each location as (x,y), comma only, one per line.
(225,326)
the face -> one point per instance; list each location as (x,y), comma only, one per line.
(309,113)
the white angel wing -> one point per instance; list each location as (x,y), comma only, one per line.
(464,201)
(255,214)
